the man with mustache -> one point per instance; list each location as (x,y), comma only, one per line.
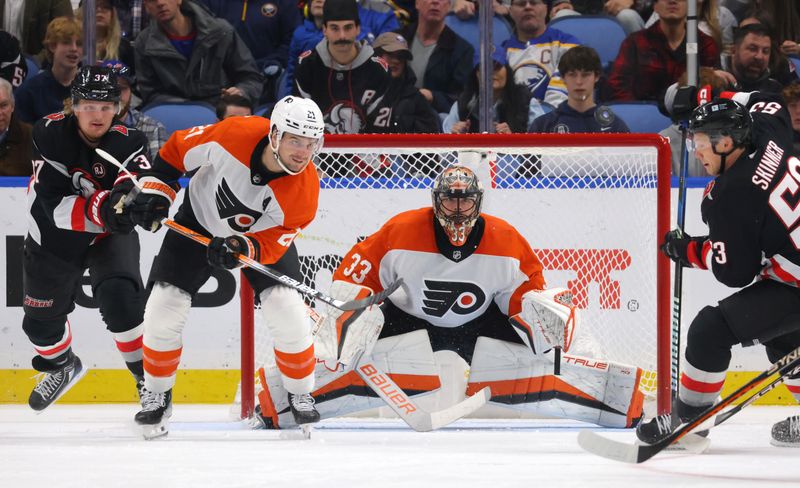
(343,76)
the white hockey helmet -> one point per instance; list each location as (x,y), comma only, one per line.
(298,116)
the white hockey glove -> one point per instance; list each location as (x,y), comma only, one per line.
(346,336)
(548,319)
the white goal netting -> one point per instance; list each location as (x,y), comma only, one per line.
(591,206)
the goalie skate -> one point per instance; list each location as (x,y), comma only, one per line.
(155,413)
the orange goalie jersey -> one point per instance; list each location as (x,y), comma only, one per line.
(444,284)
(249,200)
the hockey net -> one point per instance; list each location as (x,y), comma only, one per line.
(592,206)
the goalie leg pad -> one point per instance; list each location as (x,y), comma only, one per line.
(601,392)
(164,318)
(285,315)
(407,358)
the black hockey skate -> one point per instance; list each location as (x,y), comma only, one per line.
(303,411)
(786,433)
(55,380)
(657,428)
(155,413)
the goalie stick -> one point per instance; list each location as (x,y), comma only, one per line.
(252,263)
(412,414)
(632,453)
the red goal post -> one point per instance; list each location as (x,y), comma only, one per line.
(593,206)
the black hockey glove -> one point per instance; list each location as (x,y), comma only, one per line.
(151,204)
(684,103)
(101,208)
(676,246)
(223,252)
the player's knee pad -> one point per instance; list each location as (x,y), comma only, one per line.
(284,312)
(165,316)
(121,304)
(602,392)
(709,341)
(407,357)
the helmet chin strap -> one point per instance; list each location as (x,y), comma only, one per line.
(723,157)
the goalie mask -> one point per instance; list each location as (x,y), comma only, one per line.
(457,195)
(298,116)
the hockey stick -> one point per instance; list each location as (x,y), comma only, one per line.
(412,414)
(288,280)
(632,453)
(677,292)
(252,263)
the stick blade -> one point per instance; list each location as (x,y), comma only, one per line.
(370,300)
(461,409)
(598,445)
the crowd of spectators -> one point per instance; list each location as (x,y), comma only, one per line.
(386,67)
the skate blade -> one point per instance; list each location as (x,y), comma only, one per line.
(303,433)
(155,431)
(778,443)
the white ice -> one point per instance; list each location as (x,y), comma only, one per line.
(100,446)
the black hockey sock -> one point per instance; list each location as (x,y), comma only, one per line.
(136,368)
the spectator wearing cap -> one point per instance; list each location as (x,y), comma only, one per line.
(404,109)
(343,75)
(535,50)
(15,137)
(233,106)
(13,67)
(266,27)
(511,109)
(442,59)
(45,93)
(309,33)
(154,130)
(28,21)
(580,68)
(187,54)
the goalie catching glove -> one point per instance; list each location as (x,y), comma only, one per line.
(223,252)
(548,319)
(345,336)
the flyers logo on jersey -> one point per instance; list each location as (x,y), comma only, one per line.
(460,297)
(238,216)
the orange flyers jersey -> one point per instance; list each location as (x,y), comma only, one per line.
(440,284)
(232,193)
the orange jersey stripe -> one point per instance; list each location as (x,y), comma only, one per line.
(296,365)
(161,363)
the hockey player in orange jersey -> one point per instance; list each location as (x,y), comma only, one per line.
(472,285)
(254,190)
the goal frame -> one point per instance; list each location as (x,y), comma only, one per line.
(489,141)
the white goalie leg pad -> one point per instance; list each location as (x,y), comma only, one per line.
(601,392)
(164,318)
(285,316)
(407,358)
(345,335)
(548,319)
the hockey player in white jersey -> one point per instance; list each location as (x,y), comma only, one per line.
(472,285)
(255,189)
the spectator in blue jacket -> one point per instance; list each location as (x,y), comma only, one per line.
(580,69)
(266,27)
(309,34)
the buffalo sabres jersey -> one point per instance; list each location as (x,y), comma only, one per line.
(753,209)
(232,191)
(444,284)
(348,95)
(535,64)
(56,198)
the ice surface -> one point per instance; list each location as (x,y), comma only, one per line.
(100,446)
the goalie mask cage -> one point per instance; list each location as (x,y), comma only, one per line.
(592,206)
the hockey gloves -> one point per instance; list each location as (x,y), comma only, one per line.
(223,252)
(100,210)
(683,249)
(151,205)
